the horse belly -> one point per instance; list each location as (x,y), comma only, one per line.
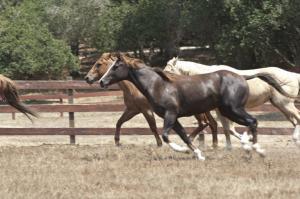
(190,107)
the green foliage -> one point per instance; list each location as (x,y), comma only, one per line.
(28,50)
(71,20)
(259,31)
(36,35)
(135,25)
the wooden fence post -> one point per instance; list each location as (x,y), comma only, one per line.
(71,114)
(61,101)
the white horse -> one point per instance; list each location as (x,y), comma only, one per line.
(259,91)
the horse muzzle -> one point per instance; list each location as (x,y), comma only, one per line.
(89,80)
(103,84)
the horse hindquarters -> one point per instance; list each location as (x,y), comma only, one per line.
(232,105)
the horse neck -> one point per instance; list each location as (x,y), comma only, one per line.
(140,78)
(128,88)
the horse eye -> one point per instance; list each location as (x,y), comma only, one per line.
(98,65)
(115,67)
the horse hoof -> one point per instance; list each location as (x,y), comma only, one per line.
(259,150)
(118,144)
(199,155)
(202,158)
(247,147)
(159,144)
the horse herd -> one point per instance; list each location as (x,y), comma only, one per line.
(186,89)
(189,89)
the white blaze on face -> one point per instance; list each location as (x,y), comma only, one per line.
(105,74)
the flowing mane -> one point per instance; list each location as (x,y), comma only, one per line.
(168,76)
(132,62)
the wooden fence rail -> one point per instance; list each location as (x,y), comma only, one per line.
(66,90)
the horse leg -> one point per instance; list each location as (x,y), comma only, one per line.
(291,113)
(200,118)
(197,131)
(169,121)
(181,132)
(127,115)
(240,116)
(226,127)
(148,114)
(214,128)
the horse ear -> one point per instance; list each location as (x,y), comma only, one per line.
(118,55)
(175,59)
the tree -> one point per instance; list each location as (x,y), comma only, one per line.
(261,33)
(136,25)
(71,20)
(28,50)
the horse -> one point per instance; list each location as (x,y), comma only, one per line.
(259,91)
(9,94)
(175,96)
(136,103)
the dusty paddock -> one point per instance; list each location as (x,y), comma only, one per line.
(48,167)
(138,169)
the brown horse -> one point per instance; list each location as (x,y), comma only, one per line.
(136,103)
(181,96)
(9,94)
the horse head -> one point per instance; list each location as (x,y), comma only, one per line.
(100,67)
(171,66)
(117,71)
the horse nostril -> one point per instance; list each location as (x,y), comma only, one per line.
(87,79)
(101,84)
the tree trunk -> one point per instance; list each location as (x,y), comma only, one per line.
(75,47)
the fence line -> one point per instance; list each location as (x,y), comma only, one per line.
(66,90)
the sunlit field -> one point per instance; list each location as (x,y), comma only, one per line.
(142,170)
(48,167)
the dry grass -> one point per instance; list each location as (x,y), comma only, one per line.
(137,171)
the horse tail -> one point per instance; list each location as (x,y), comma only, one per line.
(9,94)
(271,80)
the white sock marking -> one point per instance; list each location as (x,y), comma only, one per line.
(178,148)
(198,154)
(258,149)
(245,138)
(296,133)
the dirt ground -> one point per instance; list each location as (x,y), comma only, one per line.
(48,167)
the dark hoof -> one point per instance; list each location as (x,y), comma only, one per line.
(118,144)
(159,144)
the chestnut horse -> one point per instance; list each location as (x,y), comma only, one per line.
(136,103)
(9,94)
(177,96)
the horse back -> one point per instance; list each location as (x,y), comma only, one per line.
(199,93)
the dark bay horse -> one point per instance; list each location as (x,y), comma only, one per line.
(180,96)
(9,94)
(136,103)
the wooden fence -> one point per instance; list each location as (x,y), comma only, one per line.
(65,90)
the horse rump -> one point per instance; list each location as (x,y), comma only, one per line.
(9,94)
